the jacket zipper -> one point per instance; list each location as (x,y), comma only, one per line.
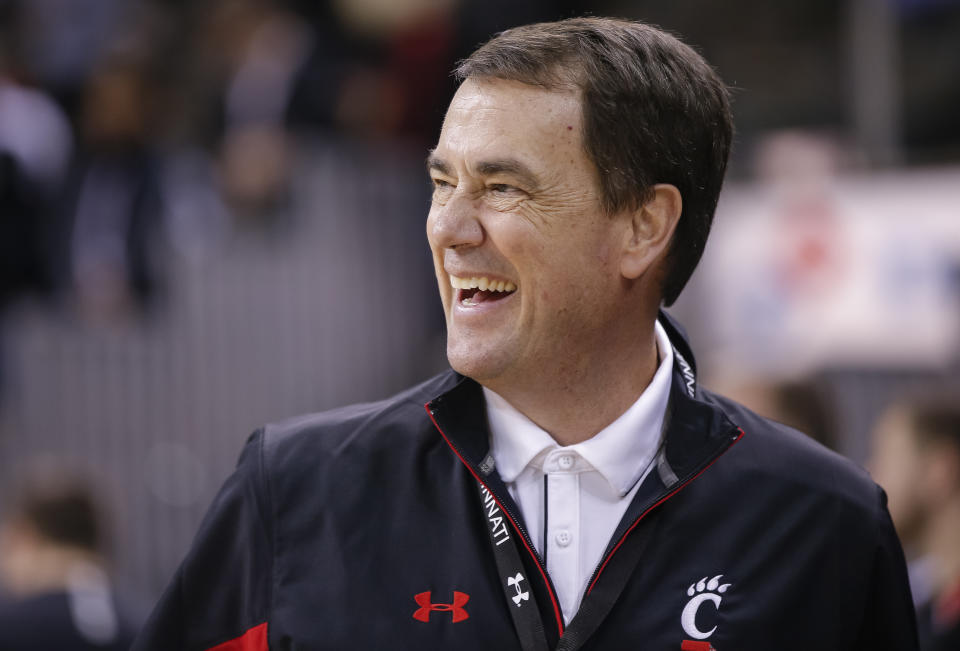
(659,499)
(515,521)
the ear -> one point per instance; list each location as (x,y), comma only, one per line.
(651,230)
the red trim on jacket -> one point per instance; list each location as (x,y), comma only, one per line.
(254,639)
(546,581)
(644,514)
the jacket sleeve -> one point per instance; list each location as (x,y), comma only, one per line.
(219,598)
(889,622)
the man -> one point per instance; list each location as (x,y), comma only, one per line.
(916,458)
(569,485)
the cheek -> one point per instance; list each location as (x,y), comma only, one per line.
(605,254)
(514,240)
(567,289)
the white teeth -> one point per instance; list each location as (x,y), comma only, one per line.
(482,283)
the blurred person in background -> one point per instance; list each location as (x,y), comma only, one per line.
(35,149)
(60,42)
(113,205)
(800,403)
(370,71)
(916,459)
(568,483)
(379,69)
(54,571)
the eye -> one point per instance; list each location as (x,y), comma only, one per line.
(440,185)
(502,188)
(441,190)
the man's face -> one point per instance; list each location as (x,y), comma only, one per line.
(516,201)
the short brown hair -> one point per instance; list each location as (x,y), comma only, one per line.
(653,112)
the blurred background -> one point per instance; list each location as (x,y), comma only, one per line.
(212,216)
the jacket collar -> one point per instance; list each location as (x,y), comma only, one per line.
(619,452)
(697,431)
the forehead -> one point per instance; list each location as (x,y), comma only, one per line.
(498,118)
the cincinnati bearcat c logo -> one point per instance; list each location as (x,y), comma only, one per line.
(700,592)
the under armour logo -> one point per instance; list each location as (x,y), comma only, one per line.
(521,595)
(460,600)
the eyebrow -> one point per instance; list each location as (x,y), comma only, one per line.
(509,166)
(436,163)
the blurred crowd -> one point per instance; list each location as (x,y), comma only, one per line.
(117,117)
(120,120)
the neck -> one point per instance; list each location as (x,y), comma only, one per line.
(580,397)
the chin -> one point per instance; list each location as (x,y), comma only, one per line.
(467,367)
(474,364)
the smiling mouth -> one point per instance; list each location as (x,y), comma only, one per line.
(477,290)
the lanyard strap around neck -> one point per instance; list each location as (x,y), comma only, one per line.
(521,601)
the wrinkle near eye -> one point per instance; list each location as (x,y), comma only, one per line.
(506,201)
(441,192)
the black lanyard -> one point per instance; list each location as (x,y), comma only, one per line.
(596,604)
(523,604)
(521,600)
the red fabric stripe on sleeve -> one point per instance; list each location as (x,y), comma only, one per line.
(254,639)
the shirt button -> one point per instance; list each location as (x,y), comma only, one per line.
(566,461)
(563,538)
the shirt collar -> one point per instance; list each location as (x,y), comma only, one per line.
(620,452)
(515,440)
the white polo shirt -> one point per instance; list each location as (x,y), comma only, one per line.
(572,498)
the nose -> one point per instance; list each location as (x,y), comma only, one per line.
(455,224)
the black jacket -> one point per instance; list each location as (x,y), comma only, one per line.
(335,526)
